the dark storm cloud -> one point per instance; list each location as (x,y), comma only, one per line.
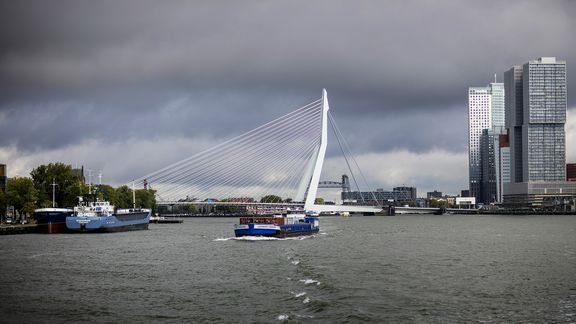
(71,70)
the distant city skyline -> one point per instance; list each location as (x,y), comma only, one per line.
(128,87)
(517,139)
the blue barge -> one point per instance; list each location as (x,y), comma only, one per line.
(277,226)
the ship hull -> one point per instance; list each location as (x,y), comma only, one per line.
(114,223)
(52,228)
(51,220)
(256,230)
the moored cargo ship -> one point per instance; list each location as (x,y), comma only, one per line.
(52,220)
(277,226)
(100,216)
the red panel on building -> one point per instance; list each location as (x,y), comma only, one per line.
(504,140)
(571,172)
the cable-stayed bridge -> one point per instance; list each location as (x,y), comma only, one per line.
(278,162)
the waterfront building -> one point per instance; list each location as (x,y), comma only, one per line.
(571,172)
(488,166)
(409,193)
(536,99)
(485,112)
(503,164)
(434,194)
(465,202)
(380,196)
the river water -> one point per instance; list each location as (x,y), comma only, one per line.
(403,269)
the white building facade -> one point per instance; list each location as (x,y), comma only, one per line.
(485,112)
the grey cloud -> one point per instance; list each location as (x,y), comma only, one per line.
(387,50)
(394,70)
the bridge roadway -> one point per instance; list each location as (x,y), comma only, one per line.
(316,208)
(432,210)
(327,208)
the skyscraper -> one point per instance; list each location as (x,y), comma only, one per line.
(536,101)
(504,164)
(485,112)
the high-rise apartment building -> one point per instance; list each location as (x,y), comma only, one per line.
(504,164)
(485,112)
(536,100)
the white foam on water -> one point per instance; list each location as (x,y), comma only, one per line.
(295,262)
(282,317)
(247,238)
(264,238)
(256,238)
(298,295)
(310,281)
(306,300)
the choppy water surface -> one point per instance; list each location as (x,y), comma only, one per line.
(427,269)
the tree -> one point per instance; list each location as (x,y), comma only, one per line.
(107,193)
(22,194)
(146,198)
(124,197)
(28,208)
(184,209)
(271,199)
(68,184)
(3,203)
(438,203)
(319,201)
(233,209)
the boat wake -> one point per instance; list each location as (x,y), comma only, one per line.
(263,238)
(310,282)
(249,238)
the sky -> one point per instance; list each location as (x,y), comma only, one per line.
(127,87)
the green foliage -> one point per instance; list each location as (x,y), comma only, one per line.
(69,184)
(271,199)
(107,193)
(124,197)
(319,201)
(224,209)
(146,198)
(435,203)
(26,194)
(3,202)
(29,208)
(22,194)
(184,209)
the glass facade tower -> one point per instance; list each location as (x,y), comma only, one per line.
(485,112)
(536,102)
(536,114)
